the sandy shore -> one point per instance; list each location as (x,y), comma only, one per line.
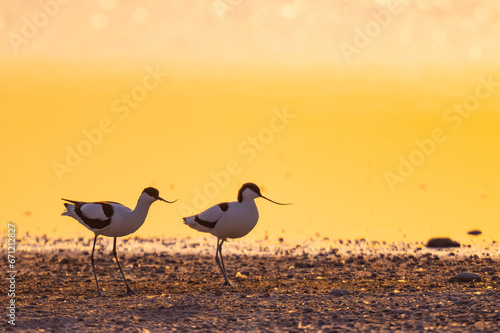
(315,285)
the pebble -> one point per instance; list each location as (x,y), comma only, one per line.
(304,265)
(489,270)
(401,312)
(340,292)
(474,232)
(465,277)
(442,242)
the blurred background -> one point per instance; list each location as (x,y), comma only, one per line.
(377,119)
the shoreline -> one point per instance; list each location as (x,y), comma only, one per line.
(205,244)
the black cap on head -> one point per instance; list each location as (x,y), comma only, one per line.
(255,189)
(251,186)
(151,191)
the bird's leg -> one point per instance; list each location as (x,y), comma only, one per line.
(129,290)
(217,257)
(93,267)
(221,262)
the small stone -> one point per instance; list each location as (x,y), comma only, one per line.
(465,277)
(489,270)
(218,293)
(400,312)
(442,242)
(340,292)
(303,265)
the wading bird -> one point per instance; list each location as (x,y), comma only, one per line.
(112,219)
(229,220)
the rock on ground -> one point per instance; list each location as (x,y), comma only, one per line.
(442,242)
(465,277)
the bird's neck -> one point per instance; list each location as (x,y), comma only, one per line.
(248,202)
(141,209)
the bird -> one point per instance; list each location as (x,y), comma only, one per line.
(111,219)
(229,220)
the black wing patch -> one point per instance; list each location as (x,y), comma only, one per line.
(204,223)
(107,209)
(95,223)
(224,206)
(211,212)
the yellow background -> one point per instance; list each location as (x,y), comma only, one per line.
(230,69)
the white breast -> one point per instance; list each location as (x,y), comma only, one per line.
(237,221)
(124,221)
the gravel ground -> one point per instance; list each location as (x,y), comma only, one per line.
(278,286)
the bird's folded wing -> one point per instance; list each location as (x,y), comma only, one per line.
(96,211)
(213,214)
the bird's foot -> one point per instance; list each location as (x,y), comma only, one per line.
(130,292)
(227,284)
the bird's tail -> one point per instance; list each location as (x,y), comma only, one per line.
(189,221)
(72,201)
(69,207)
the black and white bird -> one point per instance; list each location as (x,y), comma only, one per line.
(229,220)
(112,219)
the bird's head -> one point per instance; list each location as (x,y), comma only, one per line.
(150,195)
(252,191)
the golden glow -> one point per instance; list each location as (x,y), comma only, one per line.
(137,98)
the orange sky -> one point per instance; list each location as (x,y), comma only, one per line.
(330,105)
(235,31)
